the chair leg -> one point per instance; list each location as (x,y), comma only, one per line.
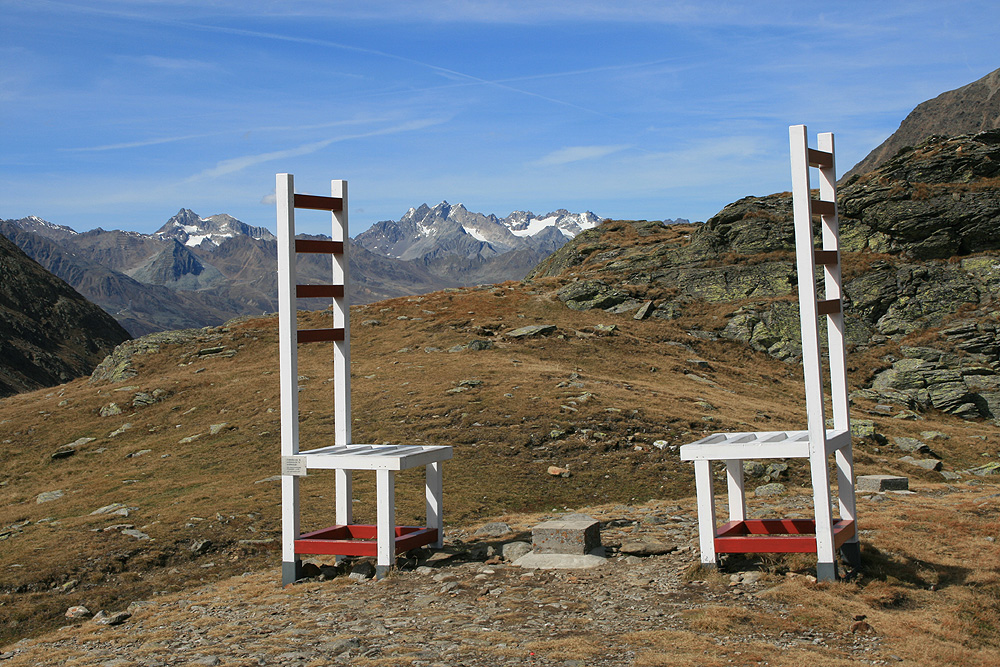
(848,510)
(433,494)
(291,565)
(737,492)
(706,512)
(826,565)
(386,520)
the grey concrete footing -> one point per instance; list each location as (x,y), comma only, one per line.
(571,535)
(290,572)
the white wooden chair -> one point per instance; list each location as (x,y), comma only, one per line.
(823,534)
(385,539)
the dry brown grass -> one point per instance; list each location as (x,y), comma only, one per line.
(638,388)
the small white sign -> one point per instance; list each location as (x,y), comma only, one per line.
(293,465)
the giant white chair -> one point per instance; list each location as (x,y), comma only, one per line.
(385,539)
(824,534)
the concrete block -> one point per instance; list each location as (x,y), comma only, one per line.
(868,483)
(570,535)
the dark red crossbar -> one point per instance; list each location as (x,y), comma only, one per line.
(361,540)
(317,203)
(320,291)
(319,246)
(319,335)
(777,536)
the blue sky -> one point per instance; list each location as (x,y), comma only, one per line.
(118,113)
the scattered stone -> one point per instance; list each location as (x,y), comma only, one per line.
(514,550)
(643,311)
(878,483)
(646,548)
(556,471)
(479,345)
(531,330)
(934,435)
(138,453)
(986,470)
(362,570)
(913,446)
(211,351)
(64,452)
(200,547)
(493,529)
(189,439)
(137,534)
(48,496)
(103,618)
(926,464)
(772,489)
(77,611)
(110,410)
(216,429)
(120,509)
(119,431)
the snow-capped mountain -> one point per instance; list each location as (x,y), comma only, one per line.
(445,229)
(45,228)
(192,230)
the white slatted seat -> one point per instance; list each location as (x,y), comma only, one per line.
(384,539)
(823,534)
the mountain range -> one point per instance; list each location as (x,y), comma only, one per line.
(195,271)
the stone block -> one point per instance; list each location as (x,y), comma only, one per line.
(869,483)
(570,535)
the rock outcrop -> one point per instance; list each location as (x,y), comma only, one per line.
(921,256)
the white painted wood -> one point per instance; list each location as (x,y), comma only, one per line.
(434,494)
(737,494)
(385,491)
(705,489)
(386,459)
(341,319)
(288,365)
(344,483)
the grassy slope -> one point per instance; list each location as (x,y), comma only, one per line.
(638,386)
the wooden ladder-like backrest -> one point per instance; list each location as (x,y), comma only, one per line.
(808,257)
(288,291)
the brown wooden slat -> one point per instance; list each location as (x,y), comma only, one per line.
(319,291)
(317,203)
(821,207)
(826,257)
(828,307)
(319,335)
(319,247)
(816,159)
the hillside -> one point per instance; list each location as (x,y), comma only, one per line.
(608,397)
(967,110)
(49,334)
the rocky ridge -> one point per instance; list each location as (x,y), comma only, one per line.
(921,253)
(972,108)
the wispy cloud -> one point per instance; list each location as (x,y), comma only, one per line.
(576,154)
(234,165)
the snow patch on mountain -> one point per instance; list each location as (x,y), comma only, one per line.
(192,230)
(447,229)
